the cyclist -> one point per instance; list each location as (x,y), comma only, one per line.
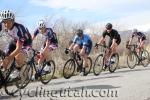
(82,43)
(50,43)
(20,41)
(114,40)
(141,39)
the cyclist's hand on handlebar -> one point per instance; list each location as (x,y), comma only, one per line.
(138,47)
(128,46)
(109,49)
(96,45)
(66,51)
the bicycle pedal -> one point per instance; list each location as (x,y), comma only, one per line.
(36,76)
(78,69)
(105,67)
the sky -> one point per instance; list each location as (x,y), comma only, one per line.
(126,13)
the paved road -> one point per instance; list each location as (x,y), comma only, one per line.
(124,84)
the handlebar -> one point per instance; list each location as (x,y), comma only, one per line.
(133,45)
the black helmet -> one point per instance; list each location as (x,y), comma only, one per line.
(108,26)
(134,30)
(79,32)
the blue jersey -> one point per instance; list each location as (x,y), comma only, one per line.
(19,32)
(85,41)
(49,35)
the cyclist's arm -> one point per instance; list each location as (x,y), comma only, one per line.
(74,42)
(113,43)
(140,43)
(71,46)
(130,41)
(102,38)
(19,45)
(35,34)
(84,47)
(33,37)
(47,44)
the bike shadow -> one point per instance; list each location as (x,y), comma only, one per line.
(81,80)
(131,70)
(96,87)
(7,97)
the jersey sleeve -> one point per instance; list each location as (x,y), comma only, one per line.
(35,32)
(51,35)
(75,39)
(104,34)
(22,31)
(116,35)
(142,34)
(132,35)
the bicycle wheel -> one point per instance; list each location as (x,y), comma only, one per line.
(48,74)
(145,58)
(88,68)
(98,65)
(69,68)
(26,73)
(1,79)
(10,84)
(132,60)
(114,60)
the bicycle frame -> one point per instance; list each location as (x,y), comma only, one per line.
(32,61)
(75,55)
(105,53)
(3,78)
(135,52)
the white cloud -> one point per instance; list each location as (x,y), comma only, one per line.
(139,19)
(85,4)
(144,27)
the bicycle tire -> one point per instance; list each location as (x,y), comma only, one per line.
(50,74)
(65,68)
(97,65)
(27,72)
(132,57)
(88,69)
(145,58)
(113,69)
(10,83)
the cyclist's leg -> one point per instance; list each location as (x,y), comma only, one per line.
(9,49)
(22,55)
(47,53)
(107,52)
(42,57)
(114,47)
(76,48)
(141,45)
(84,57)
(85,51)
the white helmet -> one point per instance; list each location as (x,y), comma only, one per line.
(134,30)
(7,14)
(41,24)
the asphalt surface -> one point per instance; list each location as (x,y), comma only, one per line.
(124,84)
